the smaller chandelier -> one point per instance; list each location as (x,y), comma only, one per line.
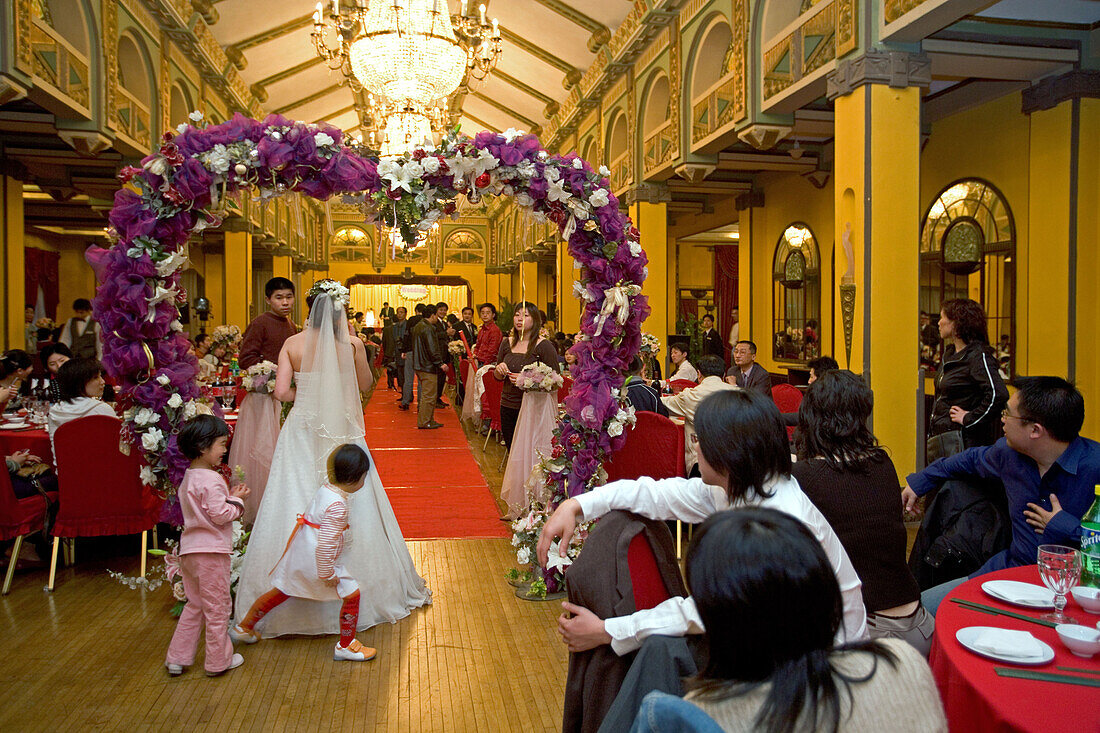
(398,245)
(394,128)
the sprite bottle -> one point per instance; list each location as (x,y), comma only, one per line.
(1090,544)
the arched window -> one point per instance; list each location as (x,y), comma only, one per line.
(350,244)
(179,106)
(967,250)
(618,152)
(463,247)
(135,92)
(796,304)
(658,133)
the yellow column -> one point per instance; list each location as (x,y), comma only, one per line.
(877,165)
(11,253)
(1042,330)
(238,278)
(492,293)
(569,308)
(525,284)
(652,222)
(1088,264)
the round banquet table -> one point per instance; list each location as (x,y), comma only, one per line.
(977,699)
(36,440)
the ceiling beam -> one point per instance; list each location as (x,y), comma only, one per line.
(272,33)
(525,88)
(572,74)
(601,34)
(531,125)
(483,123)
(306,100)
(287,73)
(337,113)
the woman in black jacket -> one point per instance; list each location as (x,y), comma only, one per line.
(969,391)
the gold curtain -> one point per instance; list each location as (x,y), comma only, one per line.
(369,298)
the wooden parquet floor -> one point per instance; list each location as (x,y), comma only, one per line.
(91,657)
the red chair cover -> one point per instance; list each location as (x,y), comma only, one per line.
(566,386)
(100,489)
(654,447)
(490,400)
(645,579)
(679,385)
(19,516)
(787,398)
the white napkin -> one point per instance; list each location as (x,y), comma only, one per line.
(1006,642)
(1027,592)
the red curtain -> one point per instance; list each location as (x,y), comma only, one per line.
(41,269)
(725,290)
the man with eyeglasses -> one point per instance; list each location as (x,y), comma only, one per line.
(1047,468)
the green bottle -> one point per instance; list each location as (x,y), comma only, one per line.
(1090,544)
(234,367)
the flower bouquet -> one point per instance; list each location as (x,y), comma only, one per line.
(456,348)
(260,378)
(538,377)
(46,324)
(226,336)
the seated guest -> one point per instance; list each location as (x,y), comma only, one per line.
(53,357)
(15,366)
(1048,470)
(687,402)
(817,367)
(851,479)
(744,461)
(682,368)
(766,592)
(745,372)
(81,394)
(202,345)
(639,394)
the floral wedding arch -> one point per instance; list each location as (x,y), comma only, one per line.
(183,187)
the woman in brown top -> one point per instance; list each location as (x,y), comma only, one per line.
(850,478)
(522,346)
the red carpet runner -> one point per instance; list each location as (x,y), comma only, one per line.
(434,485)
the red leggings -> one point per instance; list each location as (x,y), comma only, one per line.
(349,613)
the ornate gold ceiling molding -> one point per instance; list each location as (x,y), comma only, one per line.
(530,124)
(278,31)
(287,73)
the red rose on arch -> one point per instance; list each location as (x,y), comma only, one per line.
(483,180)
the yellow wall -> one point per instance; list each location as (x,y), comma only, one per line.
(11,262)
(1088,265)
(787,199)
(695,265)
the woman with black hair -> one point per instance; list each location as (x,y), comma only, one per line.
(744,460)
(969,391)
(15,366)
(53,357)
(81,382)
(522,347)
(851,479)
(767,593)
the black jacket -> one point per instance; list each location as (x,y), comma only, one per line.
(713,344)
(426,352)
(970,379)
(406,345)
(643,397)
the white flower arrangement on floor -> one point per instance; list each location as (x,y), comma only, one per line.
(260,377)
(538,377)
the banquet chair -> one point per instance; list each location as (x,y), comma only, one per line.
(490,404)
(654,447)
(100,489)
(566,386)
(679,385)
(19,518)
(787,398)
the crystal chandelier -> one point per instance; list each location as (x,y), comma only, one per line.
(398,245)
(410,54)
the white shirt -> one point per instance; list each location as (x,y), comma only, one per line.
(684,371)
(735,334)
(67,334)
(691,500)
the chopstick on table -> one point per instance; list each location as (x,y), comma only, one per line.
(999,612)
(1078,669)
(1027,674)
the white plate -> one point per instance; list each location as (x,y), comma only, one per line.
(14,426)
(1009,592)
(967,636)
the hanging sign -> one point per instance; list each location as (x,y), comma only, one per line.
(414,292)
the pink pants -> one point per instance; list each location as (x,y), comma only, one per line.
(206,583)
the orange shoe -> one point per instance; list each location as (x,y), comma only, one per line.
(353,652)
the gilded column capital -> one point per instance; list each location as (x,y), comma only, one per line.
(1051,92)
(898,69)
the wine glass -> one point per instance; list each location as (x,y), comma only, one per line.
(1060,569)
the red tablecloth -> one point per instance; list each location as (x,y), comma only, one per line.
(976,699)
(36,441)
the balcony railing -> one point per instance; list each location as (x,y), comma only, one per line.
(659,147)
(57,62)
(133,118)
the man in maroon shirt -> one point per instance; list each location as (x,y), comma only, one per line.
(264,337)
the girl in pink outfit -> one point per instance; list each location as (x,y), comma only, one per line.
(310,566)
(209,508)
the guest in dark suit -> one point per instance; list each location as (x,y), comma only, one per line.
(712,342)
(392,336)
(387,314)
(642,396)
(466,327)
(745,372)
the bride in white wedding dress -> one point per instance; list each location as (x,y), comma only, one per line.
(329,369)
